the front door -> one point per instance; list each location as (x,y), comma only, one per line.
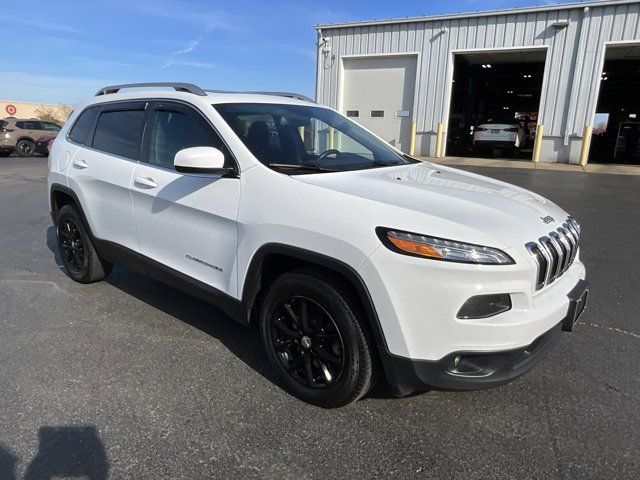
(185,221)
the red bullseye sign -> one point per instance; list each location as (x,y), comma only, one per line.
(11,109)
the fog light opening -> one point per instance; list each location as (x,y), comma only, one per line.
(484,306)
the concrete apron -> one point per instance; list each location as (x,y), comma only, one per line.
(490,162)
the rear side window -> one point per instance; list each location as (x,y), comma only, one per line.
(81,128)
(120,133)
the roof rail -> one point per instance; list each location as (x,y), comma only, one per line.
(178,87)
(276,94)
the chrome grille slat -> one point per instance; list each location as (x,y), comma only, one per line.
(553,236)
(562,238)
(573,240)
(546,251)
(572,246)
(554,254)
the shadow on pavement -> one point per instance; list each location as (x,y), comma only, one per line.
(244,342)
(72,451)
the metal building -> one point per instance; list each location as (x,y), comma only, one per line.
(424,83)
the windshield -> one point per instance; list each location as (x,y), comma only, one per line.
(303,139)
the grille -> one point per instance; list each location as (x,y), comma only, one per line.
(555,252)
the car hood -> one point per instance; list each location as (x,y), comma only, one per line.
(450,201)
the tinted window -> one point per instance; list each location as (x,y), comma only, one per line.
(3,123)
(28,125)
(173,131)
(83,125)
(120,133)
(50,126)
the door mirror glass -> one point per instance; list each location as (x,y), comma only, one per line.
(199,160)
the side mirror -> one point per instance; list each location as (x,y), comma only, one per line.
(200,160)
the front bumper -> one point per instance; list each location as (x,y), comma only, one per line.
(480,370)
(417,300)
(474,370)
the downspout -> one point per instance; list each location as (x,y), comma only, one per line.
(577,76)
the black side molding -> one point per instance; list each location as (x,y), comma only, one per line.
(118,254)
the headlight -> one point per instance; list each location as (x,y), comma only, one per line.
(441,249)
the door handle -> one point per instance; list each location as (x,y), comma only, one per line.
(80,163)
(145,182)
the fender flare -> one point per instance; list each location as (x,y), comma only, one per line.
(252,281)
(56,187)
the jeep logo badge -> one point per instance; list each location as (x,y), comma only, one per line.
(548,219)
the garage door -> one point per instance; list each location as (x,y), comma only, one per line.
(378,94)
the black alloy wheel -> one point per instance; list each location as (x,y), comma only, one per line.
(307,342)
(80,258)
(71,245)
(316,338)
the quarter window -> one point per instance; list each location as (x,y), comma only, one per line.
(81,128)
(120,133)
(173,131)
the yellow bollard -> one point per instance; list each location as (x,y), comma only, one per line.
(439,140)
(586,143)
(412,142)
(538,144)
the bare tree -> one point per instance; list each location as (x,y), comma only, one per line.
(54,113)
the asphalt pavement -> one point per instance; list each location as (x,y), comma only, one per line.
(129,378)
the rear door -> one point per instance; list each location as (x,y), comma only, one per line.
(101,170)
(186,221)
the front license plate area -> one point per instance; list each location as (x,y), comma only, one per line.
(577,303)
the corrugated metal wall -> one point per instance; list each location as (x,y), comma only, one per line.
(573,60)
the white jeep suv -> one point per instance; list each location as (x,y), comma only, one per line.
(352,258)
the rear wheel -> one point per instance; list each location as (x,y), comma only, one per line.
(315,337)
(81,261)
(4,154)
(25,148)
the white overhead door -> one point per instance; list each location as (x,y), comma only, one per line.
(378,94)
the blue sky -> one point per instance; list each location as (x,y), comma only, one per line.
(64,51)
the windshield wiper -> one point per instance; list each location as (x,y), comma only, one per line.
(378,163)
(305,166)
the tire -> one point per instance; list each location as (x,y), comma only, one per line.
(25,148)
(4,154)
(325,357)
(79,257)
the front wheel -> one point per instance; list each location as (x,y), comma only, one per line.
(316,339)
